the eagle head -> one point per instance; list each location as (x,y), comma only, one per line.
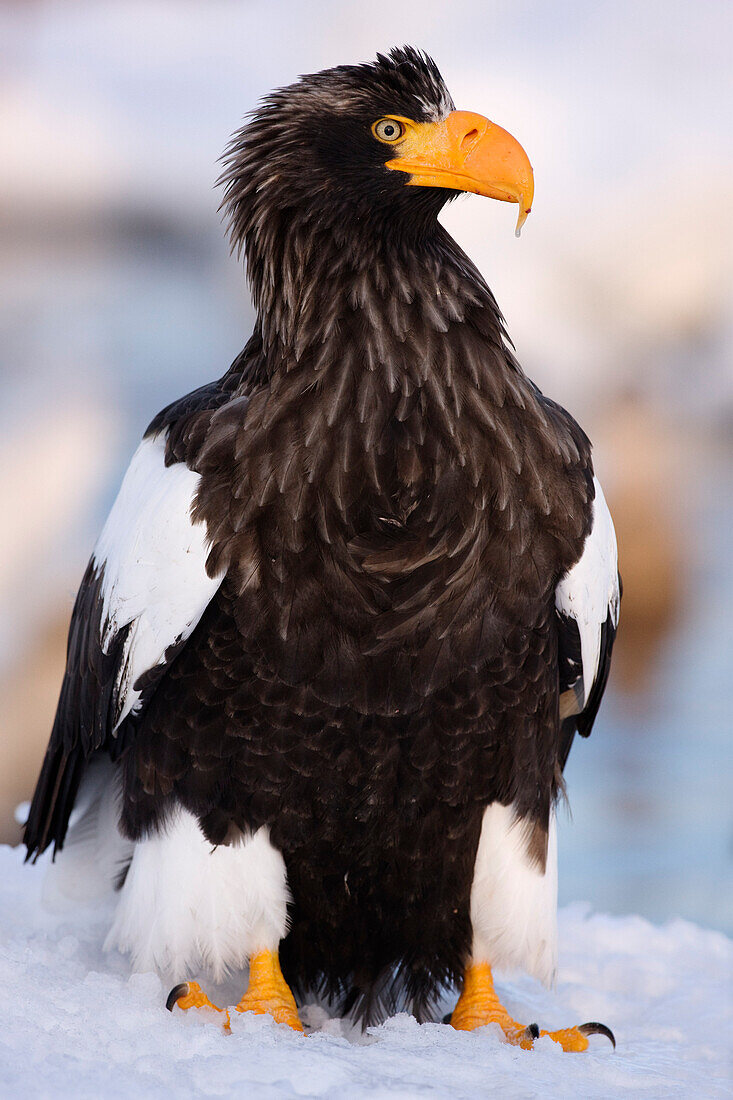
(372,150)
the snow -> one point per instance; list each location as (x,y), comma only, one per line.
(74,1022)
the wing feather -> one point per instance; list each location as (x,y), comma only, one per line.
(587,602)
(143,593)
(152,561)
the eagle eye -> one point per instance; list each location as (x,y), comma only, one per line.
(389,130)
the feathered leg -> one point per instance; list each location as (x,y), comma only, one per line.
(514,919)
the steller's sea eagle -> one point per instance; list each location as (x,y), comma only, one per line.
(352,602)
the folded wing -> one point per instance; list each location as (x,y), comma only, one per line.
(143,593)
(587,607)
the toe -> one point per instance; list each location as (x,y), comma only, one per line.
(523,1037)
(575,1039)
(191,995)
(281,1011)
(571,1039)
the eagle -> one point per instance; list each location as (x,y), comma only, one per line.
(351,605)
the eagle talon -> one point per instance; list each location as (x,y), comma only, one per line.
(178,991)
(531,1031)
(598,1029)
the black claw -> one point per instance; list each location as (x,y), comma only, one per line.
(531,1031)
(182,989)
(598,1029)
(447,1019)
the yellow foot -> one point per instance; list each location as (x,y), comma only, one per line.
(479,1005)
(191,995)
(268,991)
(268,994)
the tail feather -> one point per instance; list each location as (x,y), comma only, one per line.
(95,854)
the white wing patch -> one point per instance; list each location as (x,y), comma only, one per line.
(154,561)
(589,592)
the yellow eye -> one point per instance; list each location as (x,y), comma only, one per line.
(388,129)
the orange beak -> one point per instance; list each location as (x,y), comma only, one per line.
(466,152)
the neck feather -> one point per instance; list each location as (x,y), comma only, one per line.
(321,296)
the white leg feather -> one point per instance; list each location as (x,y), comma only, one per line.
(187,907)
(514,903)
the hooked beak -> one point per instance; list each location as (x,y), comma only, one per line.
(466,152)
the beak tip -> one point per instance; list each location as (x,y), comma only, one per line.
(521,219)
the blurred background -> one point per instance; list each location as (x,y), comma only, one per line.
(117,294)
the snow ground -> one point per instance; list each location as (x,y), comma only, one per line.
(73,1022)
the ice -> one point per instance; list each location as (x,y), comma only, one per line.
(75,1022)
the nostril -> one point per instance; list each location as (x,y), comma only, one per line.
(469,140)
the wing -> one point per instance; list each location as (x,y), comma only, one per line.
(144,590)
(587,607)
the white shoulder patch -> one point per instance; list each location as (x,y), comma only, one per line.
(589,592)
(154,561)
